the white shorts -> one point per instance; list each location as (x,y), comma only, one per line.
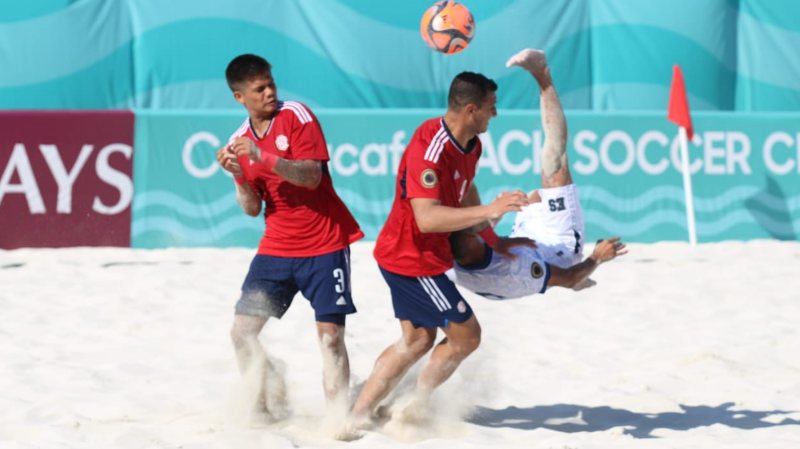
(556,224)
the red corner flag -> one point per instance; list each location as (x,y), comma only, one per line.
(678,109)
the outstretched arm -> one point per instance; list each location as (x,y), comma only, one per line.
(554,154)
(502,245)
(432,216)
(575,275)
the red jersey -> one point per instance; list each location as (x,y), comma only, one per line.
(435,166)
(300,222)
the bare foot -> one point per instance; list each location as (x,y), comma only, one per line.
(534,61)
(353,428)
(414,411)
(348,433)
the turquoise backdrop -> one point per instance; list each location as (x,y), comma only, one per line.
(607,55)
(745,173)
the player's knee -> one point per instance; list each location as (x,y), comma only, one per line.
(470,345)
(467,344)
(242,336)
(419,345)
(331,336)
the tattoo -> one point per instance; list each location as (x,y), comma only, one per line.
(304,173)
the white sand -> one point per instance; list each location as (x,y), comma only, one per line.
(675,347)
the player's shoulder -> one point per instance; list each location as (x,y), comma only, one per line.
(430,139)
(243,129)
(431,127)
(295,110)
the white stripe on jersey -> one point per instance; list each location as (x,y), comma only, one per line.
(241,131)
(436,146)
(299,110)
(439,150)
(433,291)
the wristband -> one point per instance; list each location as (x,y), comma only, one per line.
(269,160)
(489,237)
(239,180)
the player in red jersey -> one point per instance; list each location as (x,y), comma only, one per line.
(278,159)
(433,180)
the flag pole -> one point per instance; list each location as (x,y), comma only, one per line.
(687,185)
(678,113)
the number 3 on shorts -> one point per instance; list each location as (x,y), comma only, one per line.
(338,274)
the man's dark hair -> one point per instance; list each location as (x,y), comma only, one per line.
(466,246)
(469,87)
(244,68)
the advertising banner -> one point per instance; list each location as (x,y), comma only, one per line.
(745,171)
(65,178)
(183,197)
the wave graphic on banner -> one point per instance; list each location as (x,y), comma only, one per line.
(708,228)
(161,218)
(148,54)
(208,233)
(733,197)
(634,217)
(159,198)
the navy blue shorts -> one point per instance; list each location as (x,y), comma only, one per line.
(272,282)
(426,301)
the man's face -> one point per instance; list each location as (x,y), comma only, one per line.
(483,114)
(258,95)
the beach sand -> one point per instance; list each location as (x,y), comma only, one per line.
(674,347)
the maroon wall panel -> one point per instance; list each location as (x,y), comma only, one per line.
(66,178)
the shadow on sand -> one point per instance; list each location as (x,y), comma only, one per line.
(577,418)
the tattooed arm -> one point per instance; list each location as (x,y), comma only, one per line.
(303,173)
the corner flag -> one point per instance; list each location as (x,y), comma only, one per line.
(678,109)
(678,113)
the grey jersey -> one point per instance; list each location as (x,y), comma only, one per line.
(500,277)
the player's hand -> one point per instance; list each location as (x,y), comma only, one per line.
(505,244)
(228,161)
(532,60)
(243,146)
(507,202)
(608,249)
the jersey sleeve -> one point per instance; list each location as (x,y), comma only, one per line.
(534,270)
(423,176)
(307,142)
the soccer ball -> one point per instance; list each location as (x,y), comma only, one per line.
(447,27)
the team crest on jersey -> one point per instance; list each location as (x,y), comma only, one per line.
(428,178)
(282,142)
(536,270)
(462,307)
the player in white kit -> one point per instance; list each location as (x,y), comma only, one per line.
(553,219)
